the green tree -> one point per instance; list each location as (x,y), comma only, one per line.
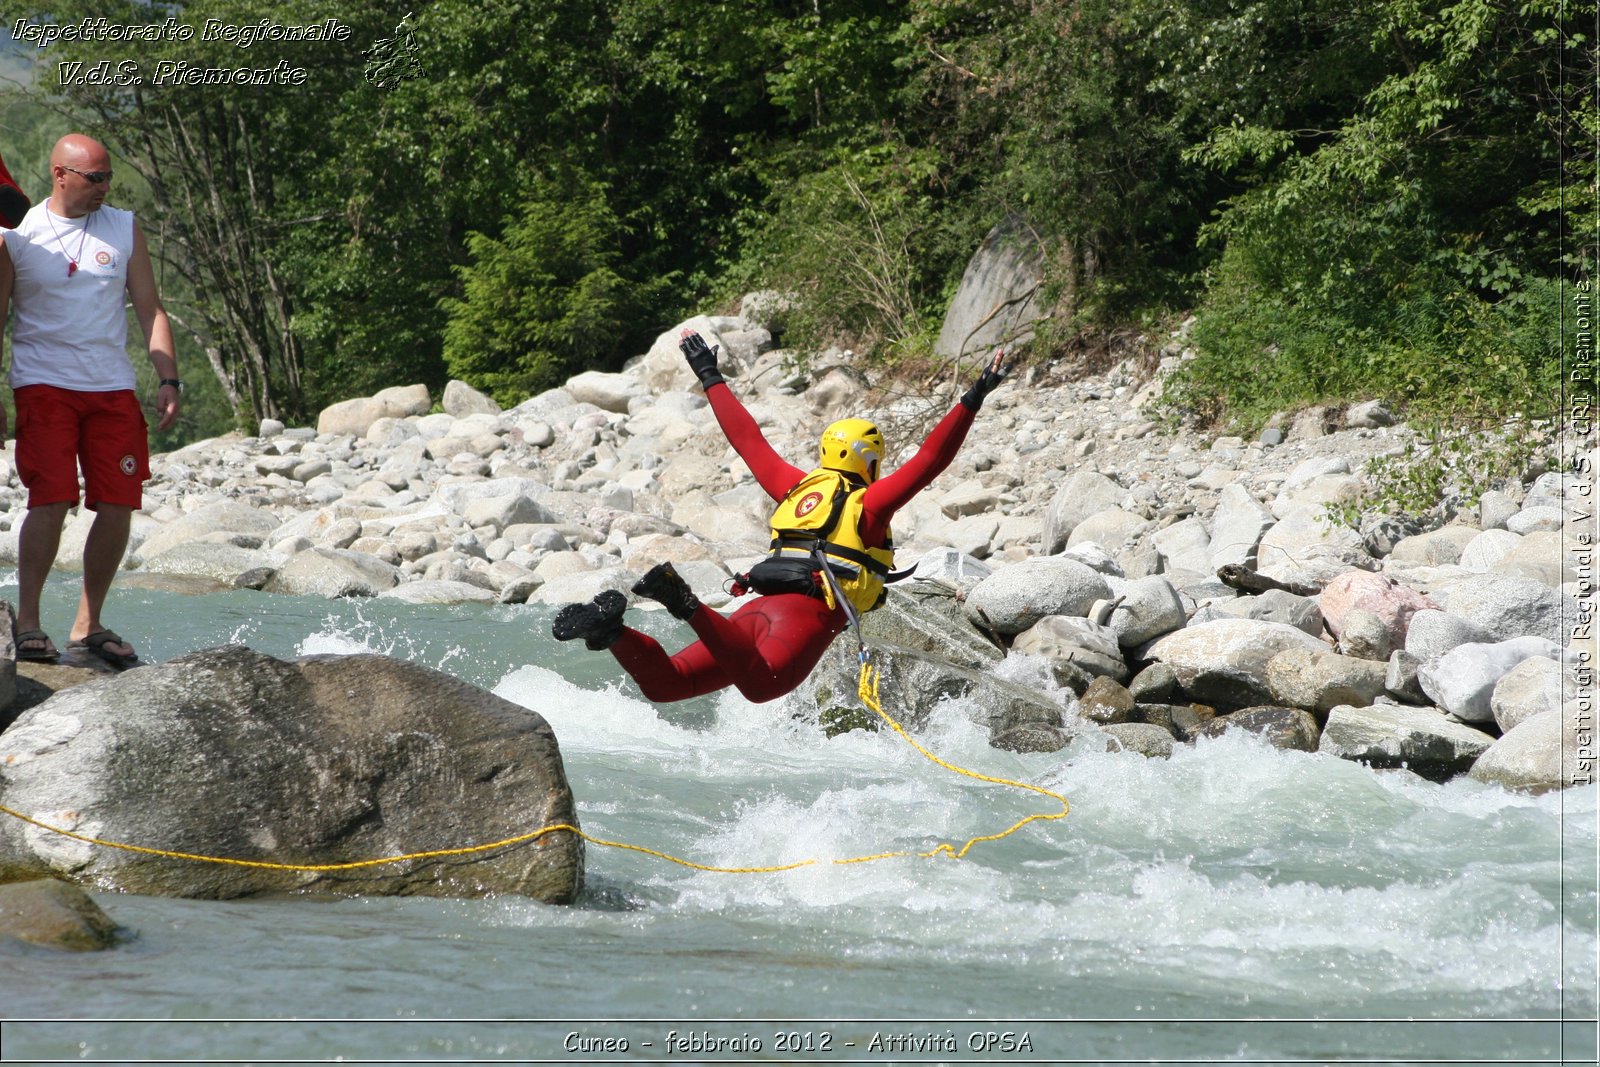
(544,300)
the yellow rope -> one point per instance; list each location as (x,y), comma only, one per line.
(869,696)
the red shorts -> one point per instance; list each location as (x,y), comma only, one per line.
(60,429)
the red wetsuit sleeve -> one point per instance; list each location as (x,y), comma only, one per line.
(892,492)
(773,473)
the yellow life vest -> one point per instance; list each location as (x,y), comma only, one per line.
(824,511)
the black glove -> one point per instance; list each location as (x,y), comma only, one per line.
(987,382)
(702,359)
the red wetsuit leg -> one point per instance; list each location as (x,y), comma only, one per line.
(769,646)
(663,678)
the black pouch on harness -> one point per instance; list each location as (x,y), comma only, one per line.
(782,574)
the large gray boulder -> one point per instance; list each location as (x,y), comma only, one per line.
(924,617)
(1322,680)
(1080,496)
(1304,547)
(1076,649)
(608,392)
(999,298)
(326,760)
(1013,599)
(1433,633)
(1393,735)
(333,572)
(221,516)
(1237,527)
(1462,680)
(912,684)
(1507,606)
(226,565)
(1225,662)
(1275,605)
(1530,688)
(1537,755)
(1150,607)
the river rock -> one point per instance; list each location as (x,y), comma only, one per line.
(1433,633)
(1541,519)
(1319,680)
(1237,527)
(1185,546)
(1507,606)
(1494,508)
(1015,598)
(1077,650)
(1401,681)
(1436,547)
(356,416)
(912,684)
(1225,662)
(330,572)
(1156,684)
(1488,548)
(219,516)
(1146,739)
(323,760)
(1543,557)
(1392,735)
(1379,594)
(929,621)
(1183,721)
(999,297)
(1150,607)
(1462,680)
(1302,547)
(950,566)
(1366,636)
(1113,527)
(1081,495)
(1537,755)
(224,564)
(461,399)
(1033,737)
(51,913)
(608,392)
(1531,688)
(1286,728)
(1275,605)
(1105,702)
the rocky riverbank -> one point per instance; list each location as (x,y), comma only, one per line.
(1073,559)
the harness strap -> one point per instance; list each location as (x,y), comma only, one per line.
(811,545)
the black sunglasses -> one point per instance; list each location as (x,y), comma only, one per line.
(94,176)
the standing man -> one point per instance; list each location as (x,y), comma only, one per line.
(66,267)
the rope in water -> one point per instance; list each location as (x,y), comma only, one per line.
(868,691)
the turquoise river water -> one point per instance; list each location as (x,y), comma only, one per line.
(1233,904)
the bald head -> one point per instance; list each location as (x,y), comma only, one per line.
(74,156)
(78,150)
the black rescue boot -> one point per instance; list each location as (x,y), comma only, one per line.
(662,584)
(598,622)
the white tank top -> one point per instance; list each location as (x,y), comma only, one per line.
(71,329)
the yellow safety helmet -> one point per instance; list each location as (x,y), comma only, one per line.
(854,446)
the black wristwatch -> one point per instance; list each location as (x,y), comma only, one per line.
(175,383)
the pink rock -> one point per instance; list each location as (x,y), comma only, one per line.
(1376,593)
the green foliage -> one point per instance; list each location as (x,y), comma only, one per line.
(545,299)
(1444,469)
(852,241)
(1358,200)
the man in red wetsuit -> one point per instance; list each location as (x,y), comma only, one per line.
(768,646)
